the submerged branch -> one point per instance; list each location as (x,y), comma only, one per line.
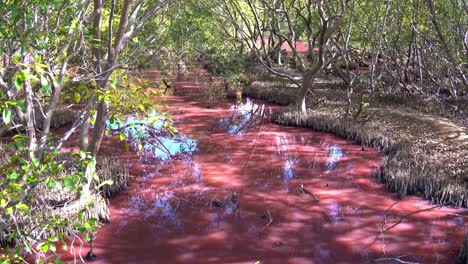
(406,216)
(398,259)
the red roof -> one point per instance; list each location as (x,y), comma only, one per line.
(301,46)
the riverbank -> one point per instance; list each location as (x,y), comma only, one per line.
(424,153)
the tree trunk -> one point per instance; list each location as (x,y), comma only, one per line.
(30,128)
(308,80)
(84,133)
(99,127)
(47,121)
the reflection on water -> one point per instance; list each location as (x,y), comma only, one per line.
(334,213)
(334,153)
(166,214)
(283,154)
(322,254)
(151,137)
(245,115)
(165,202)
(288,167)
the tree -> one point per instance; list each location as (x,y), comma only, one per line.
(251,21)
(48,50)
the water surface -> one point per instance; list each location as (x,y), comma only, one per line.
(166,215)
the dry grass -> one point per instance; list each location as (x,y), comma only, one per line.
(214,90)
(63,116)
(270,91)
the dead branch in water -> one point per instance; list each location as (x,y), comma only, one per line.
(269,222)
(404,217)
(398,259)
(386,212)
(306,192)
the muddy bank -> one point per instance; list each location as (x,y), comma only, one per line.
(423,154)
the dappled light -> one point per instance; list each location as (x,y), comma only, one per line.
(167,213)
(233,131)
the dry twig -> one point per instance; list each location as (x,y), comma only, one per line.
(405,216)
(398,259)
(306,192)
(269,222)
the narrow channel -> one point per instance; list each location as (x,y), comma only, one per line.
(299,196)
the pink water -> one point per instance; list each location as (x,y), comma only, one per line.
(166,215)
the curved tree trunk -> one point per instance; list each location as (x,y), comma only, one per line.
(328,26)
(308,81)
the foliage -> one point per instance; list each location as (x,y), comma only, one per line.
(56,51)
(227,64)
(75,51)
(24,209)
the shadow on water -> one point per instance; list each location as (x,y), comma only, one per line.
(166,215)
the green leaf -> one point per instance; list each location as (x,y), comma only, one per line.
(16,58)
(13,176)
(35,162)
(3,203)
(53,239)
(50,184)
(23,75)
(45,248)
(140,147)
(53,248)
(21,105)
(69,183)
(6,115)
(95,176)
(45,85)
(122,136)
(77,97)
(23,208)
(9,211)
(58,185)
(18,83)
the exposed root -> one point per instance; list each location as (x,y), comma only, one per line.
(110,169)
(68,205)
(276,94)
(463,255)
(404,170)
(94,206)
